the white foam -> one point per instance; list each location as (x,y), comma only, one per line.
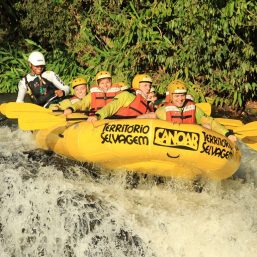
(44,213)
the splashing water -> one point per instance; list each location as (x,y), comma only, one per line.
(51,206)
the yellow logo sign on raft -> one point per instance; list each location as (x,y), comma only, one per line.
(211,145)
(176,138)
(187,140)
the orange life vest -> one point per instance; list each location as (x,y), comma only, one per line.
(99,98)
(137,107)
(185,115)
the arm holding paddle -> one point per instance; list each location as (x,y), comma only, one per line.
(121,100)
(210,123)
(83,105)
(80,90)
(59,93)
(63,105)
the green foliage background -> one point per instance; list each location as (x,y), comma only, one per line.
(211,44)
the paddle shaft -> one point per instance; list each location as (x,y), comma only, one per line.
(74,119)
(86,112)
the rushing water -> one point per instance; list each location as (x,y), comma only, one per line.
(51,206)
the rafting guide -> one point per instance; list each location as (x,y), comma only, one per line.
(125,134)
(44,87)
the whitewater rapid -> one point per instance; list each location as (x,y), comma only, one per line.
(53,207)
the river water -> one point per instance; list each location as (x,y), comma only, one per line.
(51,206)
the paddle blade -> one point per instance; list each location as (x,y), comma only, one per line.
(247,131)
(250,142)
(229,123)
(30,121)
(205,107)
(243,134)
(13,110)
(2,108)
(251,126)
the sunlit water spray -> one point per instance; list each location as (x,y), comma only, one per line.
(51,206)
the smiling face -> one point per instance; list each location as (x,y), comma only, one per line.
(145,87)
(105,83)
(178,99)
(36,70)
(80,91)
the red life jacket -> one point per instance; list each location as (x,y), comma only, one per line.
(137,107)
(99,98)
(185,115)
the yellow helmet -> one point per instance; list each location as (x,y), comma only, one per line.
(177,87)
(78,81)
(140,78)
(102,75)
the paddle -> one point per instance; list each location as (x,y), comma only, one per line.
(49,101)
(2,108)
(247,130)
(30,121)
(250,142)
(229,122)
(32,118)
(13,110)
(2,111)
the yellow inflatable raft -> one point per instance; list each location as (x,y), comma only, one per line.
(145,145)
